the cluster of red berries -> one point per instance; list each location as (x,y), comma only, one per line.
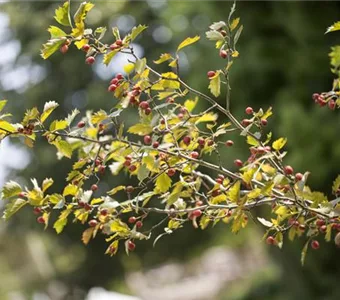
(115,82)
(28,129)
(144,105)
(322,101)
(128,163)
(64,47)
(116,45)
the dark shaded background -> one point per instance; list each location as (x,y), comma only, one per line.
(283,60)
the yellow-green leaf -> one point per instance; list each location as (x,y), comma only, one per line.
(116,190)
(46,184)
(215,84)
(56,32)
(190,104)
(62,14)
(64,148)
(188,41)
(336,184)
(279,143)
(70,190)
(120,227)
(128,68)
(334,27)
(6,127)
(234,24)
(137,31)
(49,107)
(58,125)
(164,57)
(163,183)
(12,207)
(234,192)
(108,57)
(51,47)
(2,104)
(140,129)
(252,141)
(10,189)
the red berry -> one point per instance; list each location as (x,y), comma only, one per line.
(155,144)
(81,203)
(288,170)
(162,121)
(210,142)
(132,220)
(114,46)
(270,240)
(201,141)
(187,140)
(41,220)
(119,76)
(147,139)
(238,162)
(264,122)
(320,222)
(245,122)
(139,224)
(298,176)
(127,163)
(315,96)
(148,111)
(112,88)
(323,228)
(223,54)
(93,223)
(37,210)
(196,213)
(171,172)
(194,154)
(211,74)
(144,105)
(219,180)
(199,203)
(129,189)
(104,212)
(331,104)
(21,195)
(94,187)
(131,245)
(170,100)
(229,143)
(119,42)
(114,81)
(90,60)
(180,116)
(81,124)
(101,169)
(132,168)
(128,157)
(315,244)
(64,49)
(249,110)
(86,47)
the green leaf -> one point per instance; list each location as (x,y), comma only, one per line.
(49,107)
(304,252)
(12,207)
(188,41)
(137,31)
(237,34)
(164,57)
(143,172)
(334,27)
(64,148)
(140,129)
(56,32)
(279,144)
(116,190)
(58,125)
(190,104)
(62,14)
(59,225)
(215,84)
(10,189)
(51,47)
(163,183)
(140,65)
(120,227)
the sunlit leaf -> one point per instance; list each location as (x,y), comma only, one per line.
(188,41)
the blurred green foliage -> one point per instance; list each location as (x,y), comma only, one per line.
(283,60)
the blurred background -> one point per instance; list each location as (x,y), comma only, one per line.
(283,60)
